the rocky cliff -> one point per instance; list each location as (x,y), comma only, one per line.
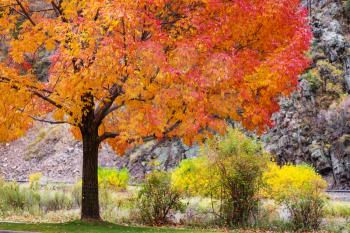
(313,125)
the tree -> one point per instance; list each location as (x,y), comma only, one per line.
(125,72)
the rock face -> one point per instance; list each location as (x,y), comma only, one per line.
(313,124)
(53,151)
(155,155)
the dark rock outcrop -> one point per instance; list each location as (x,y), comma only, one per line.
(313,124)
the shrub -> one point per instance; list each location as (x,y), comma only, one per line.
(300,189)
(230,172)
(109,178)
(106,199)
(34,180)
(55,201)
(313,80)
(239,162)
(192,176)
(13,198)
(347,7)
(157,198)
(76,194)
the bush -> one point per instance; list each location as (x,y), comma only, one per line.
(112,179)
(54,201)
(192,177)
(14,199)
(76,194)
(239,163)
(230,172)
(21,199)
(106,199)
(313,80)
(157,198)
(347,8)
(300,189)
(34,180)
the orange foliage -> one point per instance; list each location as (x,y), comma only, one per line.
(161,68)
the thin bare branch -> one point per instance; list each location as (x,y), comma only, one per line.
(58,10)
(149,138)
(37,92)
(43,10)
(24,11)
(49,121)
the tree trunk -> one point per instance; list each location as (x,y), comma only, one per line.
(90,209)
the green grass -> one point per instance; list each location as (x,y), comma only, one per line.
(77,226)
(338,209)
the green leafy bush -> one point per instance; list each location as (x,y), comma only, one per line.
(229,171)
(239,162)
(300,189)
(112,179)
(12,197)
(313,80)
(157,198)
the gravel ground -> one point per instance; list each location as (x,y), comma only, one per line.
(340,196)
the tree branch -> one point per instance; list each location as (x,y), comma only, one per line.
(107,135)
(58,11)
(7,80)
(25,12)
(104,109)
(56,7)
(48,121)
(113,108)
(43,10)
(37,92)
(97,14)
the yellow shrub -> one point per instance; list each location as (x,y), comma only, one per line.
(109,178)
(292,181)
(193,177)
(34,180)
(300,189)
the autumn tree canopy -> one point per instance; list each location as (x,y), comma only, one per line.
(126,71)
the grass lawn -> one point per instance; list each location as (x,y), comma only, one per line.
(75,227)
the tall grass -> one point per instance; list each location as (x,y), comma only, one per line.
(338,209)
